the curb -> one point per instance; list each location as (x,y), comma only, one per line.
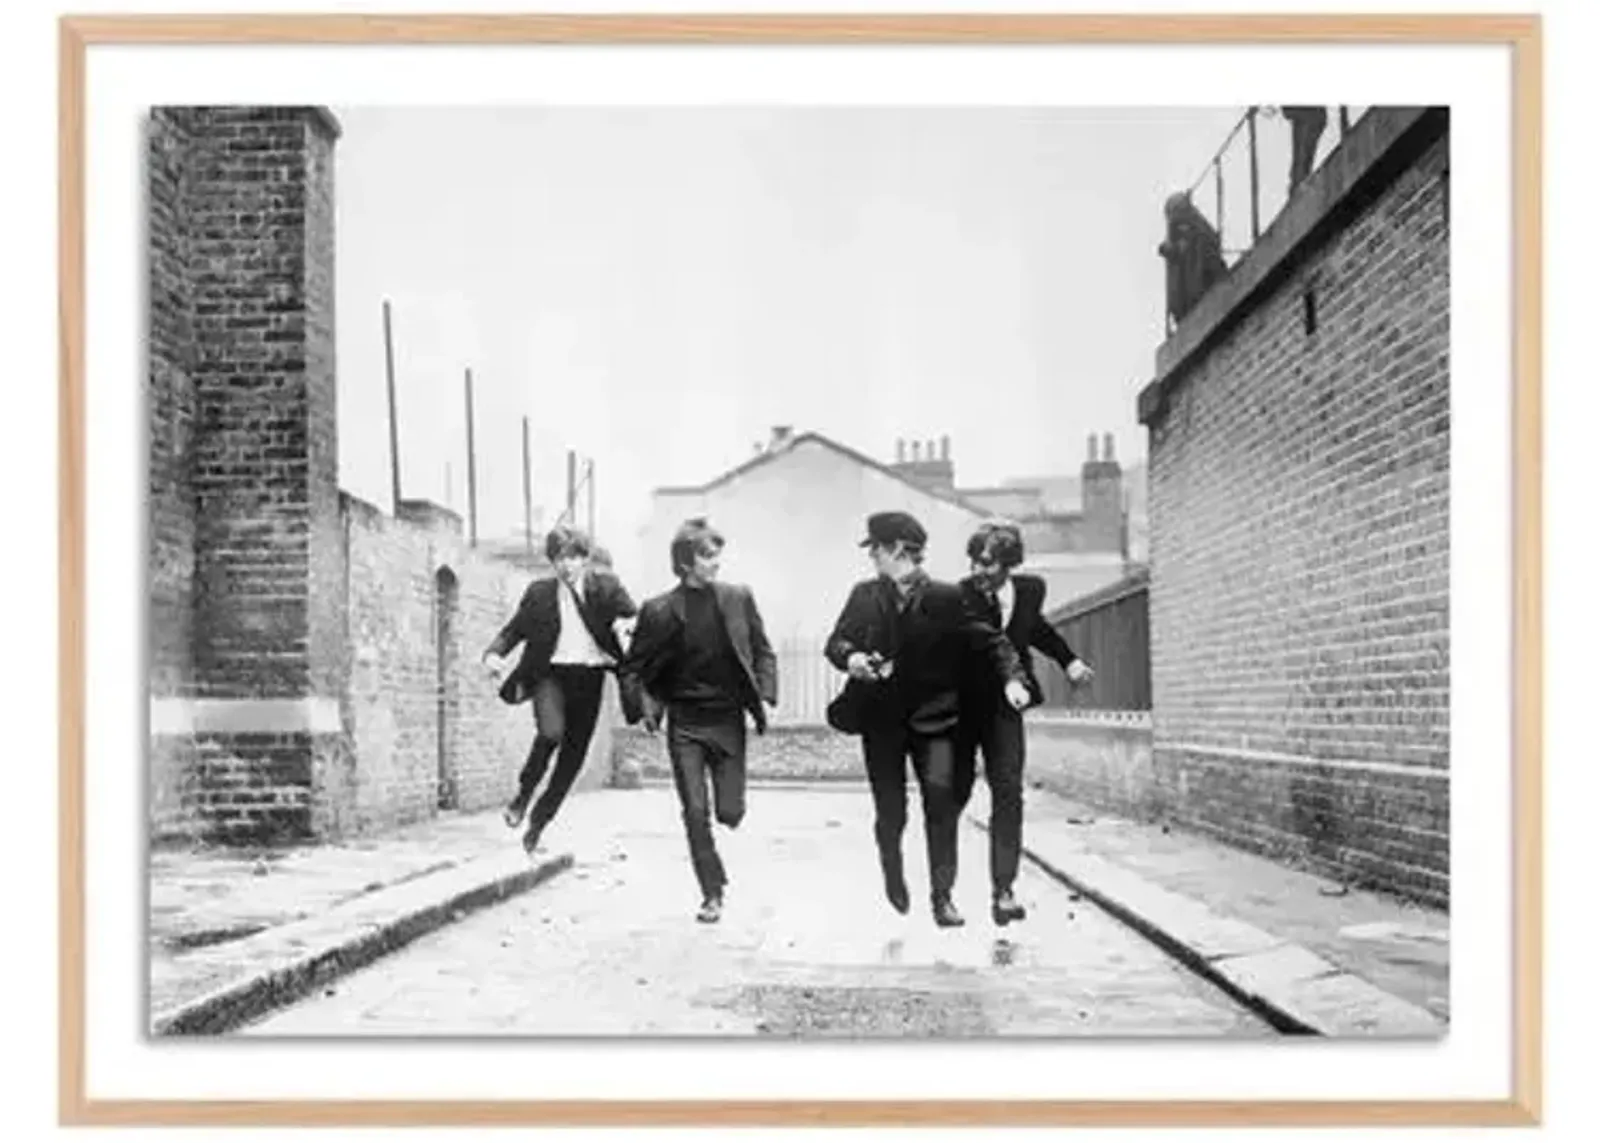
(1287,985)
(305,955)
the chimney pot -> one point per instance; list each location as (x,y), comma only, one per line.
(916,451)
(1094,448)
(944,447)
(1110,449)
(899,450)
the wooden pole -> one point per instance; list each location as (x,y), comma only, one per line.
(472,472)
(527,489)
(394,417)
(572,488)
(589,480)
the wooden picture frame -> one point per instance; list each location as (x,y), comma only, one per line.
(1521,33)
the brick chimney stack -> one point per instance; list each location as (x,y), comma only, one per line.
(1103,503)
(929,465)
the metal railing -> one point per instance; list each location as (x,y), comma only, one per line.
(1230,189)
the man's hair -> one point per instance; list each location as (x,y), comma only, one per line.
(564,540)
(694,537)
(999,541)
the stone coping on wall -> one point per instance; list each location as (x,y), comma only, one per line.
(1132,719)
(1378,146)
(184,717)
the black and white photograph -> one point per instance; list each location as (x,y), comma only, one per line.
(801,572)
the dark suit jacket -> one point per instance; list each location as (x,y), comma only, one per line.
(647,671)
(932,644)
(537,626)
(1027,630)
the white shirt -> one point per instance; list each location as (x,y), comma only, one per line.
(1006,597)
(574,645)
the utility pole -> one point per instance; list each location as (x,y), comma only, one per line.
(472,472)
(527,490)
(394,419)
(572,488)
(589,480)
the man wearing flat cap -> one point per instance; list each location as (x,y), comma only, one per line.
(904,640)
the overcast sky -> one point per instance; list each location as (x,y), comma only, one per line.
(658,287)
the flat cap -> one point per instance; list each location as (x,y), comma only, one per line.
(889,528)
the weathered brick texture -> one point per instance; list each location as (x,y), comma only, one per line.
(313,660)
(1299,606)
(171,416)
(260,261)
(426,724)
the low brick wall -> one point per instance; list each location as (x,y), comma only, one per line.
(1386,827)
(1102,759)
(799,753)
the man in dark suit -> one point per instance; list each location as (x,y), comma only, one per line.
(566,625)
(701,652)
(1306,125)
(1193,254)
(905,639)
(1015,604)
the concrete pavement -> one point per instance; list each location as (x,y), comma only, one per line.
(807,947)
(1326,958)
(234,936)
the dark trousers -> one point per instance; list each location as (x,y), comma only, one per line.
(707,748)
(1002,739)
(566,703)
(934,758)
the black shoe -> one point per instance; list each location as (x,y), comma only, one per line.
(894,888)
(514,810)
(710,911)
(530,840)
(946,916)
(1006,908)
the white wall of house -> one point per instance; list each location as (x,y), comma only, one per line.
(793,524)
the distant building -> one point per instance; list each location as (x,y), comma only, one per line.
(793,515)
(1080,532)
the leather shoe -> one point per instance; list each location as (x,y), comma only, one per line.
(1007,908)
(946,916)
(530,840)
(514,811)
(894,888)
(710,911)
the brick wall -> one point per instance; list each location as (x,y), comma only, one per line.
(790,753)
(243,459)
(170,401)
(426,725)
(313,661)
(265,457)
(1299,482)
(1101,759)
